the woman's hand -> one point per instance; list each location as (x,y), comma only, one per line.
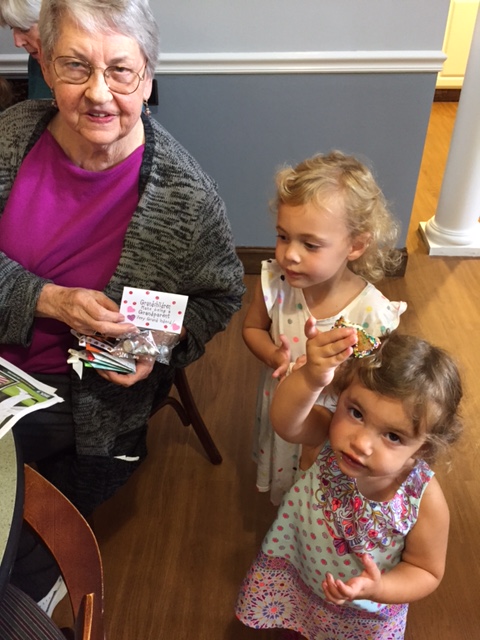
(85,310)
(143,370)
(364,587)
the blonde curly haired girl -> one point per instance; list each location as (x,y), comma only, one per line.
(335,236)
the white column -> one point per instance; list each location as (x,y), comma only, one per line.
(455,230)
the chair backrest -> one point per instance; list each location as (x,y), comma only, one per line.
(85,618)
(73,545)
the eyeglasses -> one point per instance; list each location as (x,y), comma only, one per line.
(118,79)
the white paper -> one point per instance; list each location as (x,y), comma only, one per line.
(21,394)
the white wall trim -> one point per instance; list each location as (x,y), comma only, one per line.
(282,62)
(13,64)
(303,62)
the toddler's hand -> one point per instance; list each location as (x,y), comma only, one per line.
(362,587)
(310,328)
(310,331)
(299,362)
(282,358)
(325,351)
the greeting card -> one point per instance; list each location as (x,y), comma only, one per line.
(154,309)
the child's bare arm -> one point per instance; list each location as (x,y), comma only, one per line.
(257,337)
(425,552)
(294,415)
(422,566)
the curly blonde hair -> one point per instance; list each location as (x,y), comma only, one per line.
(366,212)
(423,377)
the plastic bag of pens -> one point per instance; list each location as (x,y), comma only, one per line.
(156,344)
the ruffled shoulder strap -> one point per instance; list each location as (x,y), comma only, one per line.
(374,311)
(273,283)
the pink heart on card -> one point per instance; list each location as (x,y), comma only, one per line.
(175,327)
(131,317)
(130,309)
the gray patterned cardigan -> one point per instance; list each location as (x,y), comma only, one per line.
(179,240)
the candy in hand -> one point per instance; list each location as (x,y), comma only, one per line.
(365,343)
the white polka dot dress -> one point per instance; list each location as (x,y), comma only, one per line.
(276,459)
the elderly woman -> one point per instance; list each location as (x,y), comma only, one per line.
(95,195)
(22,18)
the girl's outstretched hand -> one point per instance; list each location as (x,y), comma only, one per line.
(325,351)
(282,358)
(363,587)
(310,328)
(310,331)
(299,362)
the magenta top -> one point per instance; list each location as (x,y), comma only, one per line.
(66,224)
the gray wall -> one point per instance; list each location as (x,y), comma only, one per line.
(242,128)
(243,124)
(304,25)
(192,26)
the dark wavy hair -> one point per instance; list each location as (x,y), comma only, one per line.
(424,377)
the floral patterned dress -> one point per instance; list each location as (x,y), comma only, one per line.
(324,524)
(276,459)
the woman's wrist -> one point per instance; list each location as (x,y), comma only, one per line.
(45,305)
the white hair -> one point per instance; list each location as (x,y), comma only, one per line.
(19,14)
(131,18)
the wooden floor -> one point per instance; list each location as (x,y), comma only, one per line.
(178,538)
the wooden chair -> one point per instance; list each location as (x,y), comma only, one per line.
(73,545)
(188,413)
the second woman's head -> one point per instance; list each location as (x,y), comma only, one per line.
(22,18)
